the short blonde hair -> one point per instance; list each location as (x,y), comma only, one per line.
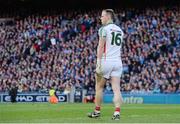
(111,13)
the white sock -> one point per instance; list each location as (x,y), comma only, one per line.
(97,111)
(116,113)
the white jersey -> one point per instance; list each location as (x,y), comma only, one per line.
(114,38)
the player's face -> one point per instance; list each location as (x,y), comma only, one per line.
(104,17)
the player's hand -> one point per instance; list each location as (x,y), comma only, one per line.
(98,67)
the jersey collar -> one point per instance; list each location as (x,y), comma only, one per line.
(109,22)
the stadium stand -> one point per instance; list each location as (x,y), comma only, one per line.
(59,48)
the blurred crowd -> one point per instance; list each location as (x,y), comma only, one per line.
(59,50)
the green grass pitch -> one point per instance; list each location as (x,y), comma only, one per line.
(77,113)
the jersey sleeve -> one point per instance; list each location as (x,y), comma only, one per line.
(102,32)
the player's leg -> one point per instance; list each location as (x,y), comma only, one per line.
(100,82)
(115,82)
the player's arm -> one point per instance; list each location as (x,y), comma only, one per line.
(102,40)
(100,49)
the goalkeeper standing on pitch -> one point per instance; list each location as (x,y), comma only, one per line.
(109,64)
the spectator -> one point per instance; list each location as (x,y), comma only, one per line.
(38,51)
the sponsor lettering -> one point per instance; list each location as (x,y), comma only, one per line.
(136,100)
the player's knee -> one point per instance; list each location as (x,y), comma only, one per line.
(99,87)
(116,90)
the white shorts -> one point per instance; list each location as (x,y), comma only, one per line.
(111,68)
